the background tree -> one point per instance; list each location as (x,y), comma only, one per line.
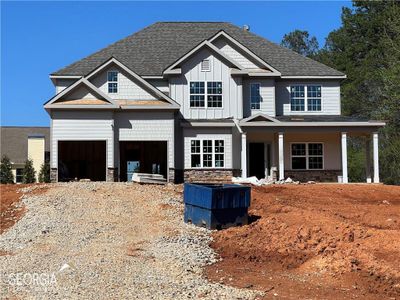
(300,42)
(6,175)
(44,174)
(28,173)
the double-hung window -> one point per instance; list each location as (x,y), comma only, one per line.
(307,156)
(112,79)
(199,92)
(214,94)
(207,153)
(305,98)
(255,97)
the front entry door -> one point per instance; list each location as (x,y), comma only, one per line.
(257,160)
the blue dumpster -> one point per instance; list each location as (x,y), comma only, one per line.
(216,206)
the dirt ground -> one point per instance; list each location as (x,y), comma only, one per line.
(11,209)
(319,241)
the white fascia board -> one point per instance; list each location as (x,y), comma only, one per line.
(152,77)
(176,71)
(197,48)
(65,76)
(312,124)
(149,86)
(80,106)
(245,49)
(315,77)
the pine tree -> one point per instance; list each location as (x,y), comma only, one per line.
(44,174)
(6,175)
(28,173)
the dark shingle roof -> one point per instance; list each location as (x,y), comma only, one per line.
(14,141)
(154,48)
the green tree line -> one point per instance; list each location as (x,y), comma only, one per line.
(367,49)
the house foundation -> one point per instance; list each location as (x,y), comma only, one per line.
(210,175)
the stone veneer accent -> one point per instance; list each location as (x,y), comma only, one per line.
(112,175)
(210,175)
(53,174)
(314,175)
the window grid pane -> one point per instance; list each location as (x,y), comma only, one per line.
(255,97)
(196,100)
(207,153)
(297,97)
(314,97)
(113,87)
(197,94)
(214,94)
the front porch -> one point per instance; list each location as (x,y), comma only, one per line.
(306,153)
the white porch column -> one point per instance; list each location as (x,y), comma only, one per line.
(376,157)
(244,155)
(344,158)
(368,159)
(281,157)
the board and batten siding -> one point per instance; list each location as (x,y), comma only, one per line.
(146,126)
(232,105)
(330,97)
(267,93)
(128,89)
(82,126)
(208,134)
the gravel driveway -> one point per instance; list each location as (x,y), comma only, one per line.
(108,241)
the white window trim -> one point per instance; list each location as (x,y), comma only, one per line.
(305,99)
(108,90)
(307,156)
(206,94)
(201,153)
(256,109)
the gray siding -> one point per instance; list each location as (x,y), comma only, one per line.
(330,97)
(161,84)
(82,126)
(128,89)
(267,93)
(61,84)
(204,134)
(231,88)
(147,126)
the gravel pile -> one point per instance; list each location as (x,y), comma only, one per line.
(108,240)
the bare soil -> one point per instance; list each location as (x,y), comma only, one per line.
(11,209)
(319,241)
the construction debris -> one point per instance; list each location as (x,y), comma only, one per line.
(263,181)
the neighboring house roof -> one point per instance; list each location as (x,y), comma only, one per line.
(150,51)
(14,141)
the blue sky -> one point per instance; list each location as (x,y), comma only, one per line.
(38,38)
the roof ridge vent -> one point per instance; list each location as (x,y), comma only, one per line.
(246,27)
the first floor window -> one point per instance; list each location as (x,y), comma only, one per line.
(307,156)
(207,153)
(18,175)
(255,97)
(112,79)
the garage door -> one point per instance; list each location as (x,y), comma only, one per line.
(81,160)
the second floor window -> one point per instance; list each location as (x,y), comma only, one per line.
(199,93)
(305,98)
(255,97)
(112,79)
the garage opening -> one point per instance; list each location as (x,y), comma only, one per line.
(142,157)
(82,160)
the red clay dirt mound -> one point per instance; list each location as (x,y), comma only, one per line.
(11,209)
(316,241)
